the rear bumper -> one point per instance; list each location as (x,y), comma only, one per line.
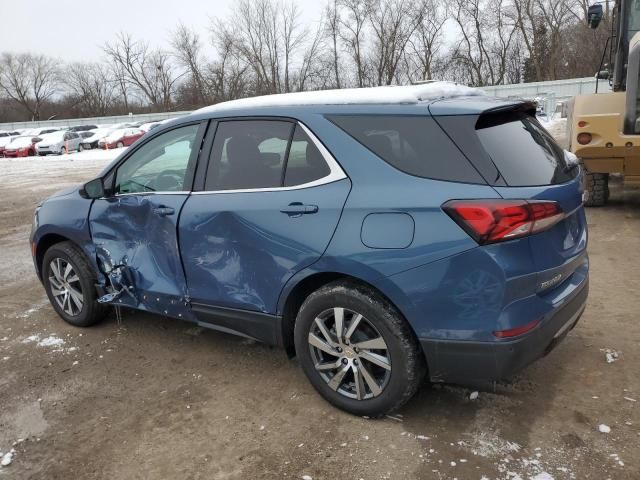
(481,363)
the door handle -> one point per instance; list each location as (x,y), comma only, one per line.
(163,211)
(296,209)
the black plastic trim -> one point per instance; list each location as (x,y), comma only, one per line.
(257,325)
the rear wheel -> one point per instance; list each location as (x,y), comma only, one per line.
(357,350)
(70,282)
(597,186)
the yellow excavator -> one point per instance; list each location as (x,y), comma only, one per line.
(604,128)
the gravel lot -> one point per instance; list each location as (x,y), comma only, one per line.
(159,398)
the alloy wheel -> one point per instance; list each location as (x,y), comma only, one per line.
(65,286)
(349,353)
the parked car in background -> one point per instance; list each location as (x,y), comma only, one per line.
(121,138)
(82,128)
(146,127)
(36,132)
(98,134)
(58,143)
(379,234)
(85,134)
(5,138)
(22,146)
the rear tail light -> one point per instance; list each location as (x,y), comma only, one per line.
(492,221)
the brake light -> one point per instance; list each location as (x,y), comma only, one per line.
(491,221)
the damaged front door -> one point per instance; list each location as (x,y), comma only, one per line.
(134,229)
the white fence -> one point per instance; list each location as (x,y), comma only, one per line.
(549,93)
(142,117)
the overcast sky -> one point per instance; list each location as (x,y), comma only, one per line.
(76,29)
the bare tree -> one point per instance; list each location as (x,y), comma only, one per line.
(425,45)
(393,23)
(93,90)
(30,80)
(187,49)
(352,31)
(332,32)
(148,70)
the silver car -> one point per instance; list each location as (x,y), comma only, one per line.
(58,142)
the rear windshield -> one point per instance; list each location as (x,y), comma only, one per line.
(411,143)
(522,150)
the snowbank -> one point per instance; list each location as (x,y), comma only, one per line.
(371,95)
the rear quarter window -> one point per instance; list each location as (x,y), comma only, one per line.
(414,144)
(522,150)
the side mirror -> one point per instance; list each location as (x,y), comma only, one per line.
(93,189)
(594,15)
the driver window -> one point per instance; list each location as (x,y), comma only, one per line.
(160,165)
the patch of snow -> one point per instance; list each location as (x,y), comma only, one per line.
(349,96)
(307,477)
(51,341)
(629,399)
(604,428)
(571,158)
(542,476)
(610,354)
(7,458)
(474,395)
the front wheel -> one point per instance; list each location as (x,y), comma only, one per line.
(597,186)
(357,350)
(120,145)
(70,282)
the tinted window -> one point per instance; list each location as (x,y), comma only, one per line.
(248,154)
(160,165)
(305,162)
(414,144)
(524,152)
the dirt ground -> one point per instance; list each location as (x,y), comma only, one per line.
(155,398)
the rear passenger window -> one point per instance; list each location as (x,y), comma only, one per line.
(305,163)
(413,144)
(248,154)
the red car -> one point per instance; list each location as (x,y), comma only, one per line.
(121,138)
(24,146)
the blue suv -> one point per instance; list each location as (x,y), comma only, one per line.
(380,235)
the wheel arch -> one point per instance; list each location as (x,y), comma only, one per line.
(45,243)
(292,301)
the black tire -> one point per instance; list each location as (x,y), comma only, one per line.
(406,357)
(119,145)
(92,312)
(597,186)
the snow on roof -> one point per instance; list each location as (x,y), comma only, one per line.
(353,96)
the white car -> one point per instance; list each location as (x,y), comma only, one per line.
(58,142)
(92,141)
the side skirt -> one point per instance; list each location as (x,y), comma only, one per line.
(259,326)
